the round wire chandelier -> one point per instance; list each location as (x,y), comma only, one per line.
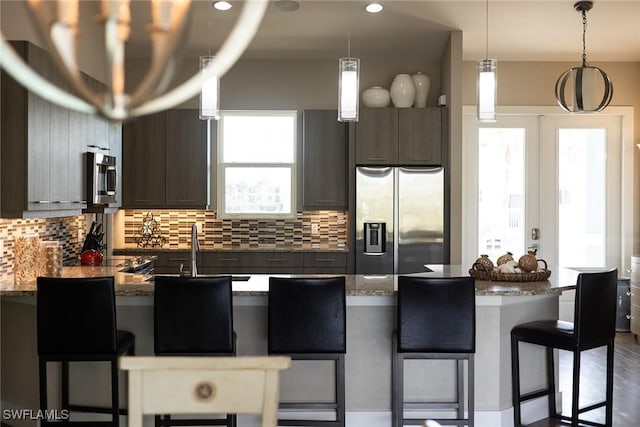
(586,81)
(57,24)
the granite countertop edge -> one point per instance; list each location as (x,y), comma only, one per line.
(118,251)
(128,284)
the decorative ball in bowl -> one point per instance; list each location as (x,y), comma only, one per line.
(376,97)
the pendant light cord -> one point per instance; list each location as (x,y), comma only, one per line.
(486,46)
(584,38)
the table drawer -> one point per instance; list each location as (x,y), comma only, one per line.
(635,319)
(635,269)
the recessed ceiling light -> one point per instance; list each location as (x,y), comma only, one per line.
(373,7)
(287,5)
(222,5)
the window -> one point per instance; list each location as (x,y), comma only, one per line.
(256,163)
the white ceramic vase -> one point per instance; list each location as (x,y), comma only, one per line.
(422,82)
(376,97)
(402,91)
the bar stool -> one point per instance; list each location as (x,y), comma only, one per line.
(193,316)
(76,320)
(436,319)
(307,321)
(594,326)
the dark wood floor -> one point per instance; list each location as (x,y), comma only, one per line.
(626,383)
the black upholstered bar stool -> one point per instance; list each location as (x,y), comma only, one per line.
(436,319)
(307,321)
(193,316)
(76,320)
(594,326)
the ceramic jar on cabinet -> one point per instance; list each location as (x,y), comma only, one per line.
(403,91)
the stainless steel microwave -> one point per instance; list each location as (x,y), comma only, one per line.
(102,179)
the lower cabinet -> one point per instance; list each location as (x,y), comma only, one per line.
(248,262)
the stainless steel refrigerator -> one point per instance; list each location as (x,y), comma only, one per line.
(400,219)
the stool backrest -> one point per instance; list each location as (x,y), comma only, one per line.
(436,315)
(204,385)
(595,307)
(307,315)
(76,316)
(193,315)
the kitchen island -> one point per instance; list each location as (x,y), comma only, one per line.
(370,321)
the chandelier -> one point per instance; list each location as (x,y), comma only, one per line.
(57,24)
(585,81)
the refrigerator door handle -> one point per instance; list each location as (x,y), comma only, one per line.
(421,169)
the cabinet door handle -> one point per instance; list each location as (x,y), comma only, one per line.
(185,200)
(62,201)
(79,201)
(105,148)
(42,202)
(276,259)
(325,259)
(229,259)
(376,158)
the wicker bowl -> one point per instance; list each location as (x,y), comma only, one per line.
(536,276)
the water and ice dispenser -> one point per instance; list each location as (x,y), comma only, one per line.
(375,241)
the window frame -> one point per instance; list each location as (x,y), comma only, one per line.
(222,166)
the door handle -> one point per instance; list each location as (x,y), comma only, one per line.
(535,234)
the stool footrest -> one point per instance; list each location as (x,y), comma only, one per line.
(414,406)
(580,421)
(534,394)
(308,405)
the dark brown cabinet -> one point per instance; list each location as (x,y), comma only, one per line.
(324,165)
(144,162)
(399,136)
(251,262)
(165,161)
(42,146)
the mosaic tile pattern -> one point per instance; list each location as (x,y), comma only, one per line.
(64,230)
(256,234)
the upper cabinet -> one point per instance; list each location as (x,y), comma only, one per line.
(43,146)
(399,136)
(38,158)
(324,167)
(166,161)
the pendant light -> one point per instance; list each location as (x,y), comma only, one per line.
(587,82)
(210,92)
(170,19)
(348,86)
(487,82)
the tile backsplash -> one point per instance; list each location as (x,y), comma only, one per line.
(326,230)
(64,230)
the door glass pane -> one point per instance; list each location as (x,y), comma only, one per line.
(501,178)
(581,197)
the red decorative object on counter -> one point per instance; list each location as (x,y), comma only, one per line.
(91,257)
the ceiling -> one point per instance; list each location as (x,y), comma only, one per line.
(519,30)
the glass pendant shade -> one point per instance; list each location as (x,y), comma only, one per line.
(348,88)
(487,90)
(210,93)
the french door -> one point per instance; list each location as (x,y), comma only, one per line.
(546,182)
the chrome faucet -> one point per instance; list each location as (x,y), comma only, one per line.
(195,246)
